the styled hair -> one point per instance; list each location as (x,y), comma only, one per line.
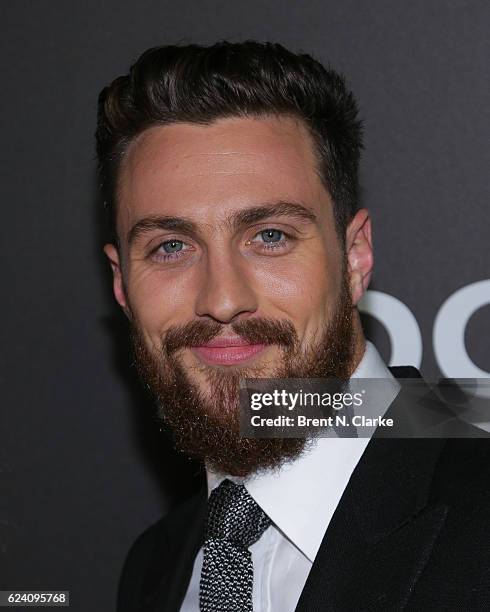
(197,84)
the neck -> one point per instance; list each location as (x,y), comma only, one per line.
(359,340)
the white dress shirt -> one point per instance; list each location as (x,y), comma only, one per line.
(300,498)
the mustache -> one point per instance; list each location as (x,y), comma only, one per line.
(254,331)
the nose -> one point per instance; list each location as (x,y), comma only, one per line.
(225,291)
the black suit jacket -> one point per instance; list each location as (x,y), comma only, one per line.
(411,532)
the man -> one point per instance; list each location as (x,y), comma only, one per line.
(239,251)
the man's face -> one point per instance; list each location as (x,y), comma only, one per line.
(229,262)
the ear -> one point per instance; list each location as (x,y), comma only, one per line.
(359,250)
(118,284)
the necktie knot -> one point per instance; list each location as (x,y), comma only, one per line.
(234,516)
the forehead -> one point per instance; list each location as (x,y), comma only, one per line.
(204,172)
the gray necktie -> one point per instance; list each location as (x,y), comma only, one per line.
(234,522)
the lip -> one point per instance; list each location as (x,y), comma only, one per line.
(227,351)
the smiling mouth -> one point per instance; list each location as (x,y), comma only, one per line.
(227,351)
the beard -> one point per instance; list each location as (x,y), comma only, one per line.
(205,424)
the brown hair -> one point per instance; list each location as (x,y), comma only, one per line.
(198,84)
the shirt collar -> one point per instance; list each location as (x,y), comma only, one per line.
(301,496)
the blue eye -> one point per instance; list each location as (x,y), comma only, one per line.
(271,235)
(272,240)
(172,246)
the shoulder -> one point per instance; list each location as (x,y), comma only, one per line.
(461,482)
(463,468)
(456,577)
(140,572)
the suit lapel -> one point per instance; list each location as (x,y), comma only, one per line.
(382,532)
(170,568)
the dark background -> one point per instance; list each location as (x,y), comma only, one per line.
(83,469)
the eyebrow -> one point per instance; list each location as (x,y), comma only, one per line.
(236,220)
(276,209)
(157,222)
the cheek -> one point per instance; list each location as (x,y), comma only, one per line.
(301,286)
(158,299)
